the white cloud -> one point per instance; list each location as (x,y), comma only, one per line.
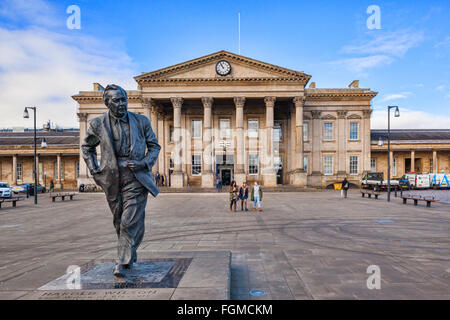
(440,88)
(409,119)
(44,68)
(444,43)
(361,64)
(36,12)
(396,96)
(379,49)
(387,43)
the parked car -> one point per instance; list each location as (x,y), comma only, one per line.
(40,189)
(18,189)
(404,183)
(5,190)
(375,181)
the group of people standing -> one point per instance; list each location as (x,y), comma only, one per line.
(242,193)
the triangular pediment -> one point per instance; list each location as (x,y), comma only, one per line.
(204,69)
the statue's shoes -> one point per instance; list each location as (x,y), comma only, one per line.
(118,271)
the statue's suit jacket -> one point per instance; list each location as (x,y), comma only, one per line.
(144,146)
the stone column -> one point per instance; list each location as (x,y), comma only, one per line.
(161,141)
(37,169)
(366,151)
(316,140)
(342,143)
(413,161)
(14,170)
(269,174)
(84,172)
(435,164)
(239,175)
(177,179)
(58,183)
(391,155)
(299,174)
(207,171)
(154,124)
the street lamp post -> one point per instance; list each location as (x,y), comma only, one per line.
(26,116)
(396,114)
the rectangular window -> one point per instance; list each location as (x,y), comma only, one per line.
(196,129)
(431,165)
(353,130)
(305,131)
(253,128)
(19,171)
(62,170)
(328,166)
(55,172)
(277,133)
(196,165)
(353,165)
(373,164)
(328,131)
(77,169)
(305,164)
(171,166)
(394,167)
(253,164)
(171,133)
(224,128)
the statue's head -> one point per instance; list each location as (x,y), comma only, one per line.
(115,99)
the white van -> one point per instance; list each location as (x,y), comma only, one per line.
(422,181)
(440,180)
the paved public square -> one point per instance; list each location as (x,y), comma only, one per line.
(304,245)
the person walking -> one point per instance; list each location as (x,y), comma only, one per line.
(344,188)
(157,178)
(219,185)
(52,186)
(162,180)
(256,196)
(243,195)
(233,195)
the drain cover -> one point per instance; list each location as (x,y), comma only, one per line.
(384,221)
(257,293)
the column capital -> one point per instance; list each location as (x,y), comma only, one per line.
(299,101)
(207,102)
(270,101)
(148,102)
(342,114)
(367,113)
(177,102)
(239,102)
(315,114)
(82,116)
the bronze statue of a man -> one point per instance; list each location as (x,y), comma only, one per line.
(129,150)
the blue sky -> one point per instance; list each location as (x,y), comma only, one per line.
(407,61)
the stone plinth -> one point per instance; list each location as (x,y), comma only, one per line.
(299,178)
(203,275)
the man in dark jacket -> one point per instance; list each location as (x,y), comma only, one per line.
(129,150)
(345,187)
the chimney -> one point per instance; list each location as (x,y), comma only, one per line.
(354,84)
(312,85)
(98,87)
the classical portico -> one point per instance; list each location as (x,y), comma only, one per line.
(253,121)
